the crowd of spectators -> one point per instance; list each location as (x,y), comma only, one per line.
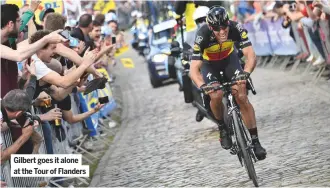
(306,16)
(43,65)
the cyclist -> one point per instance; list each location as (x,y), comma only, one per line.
(214,51)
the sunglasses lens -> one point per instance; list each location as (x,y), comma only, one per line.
(218,28)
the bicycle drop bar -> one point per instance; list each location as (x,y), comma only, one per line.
(223,86)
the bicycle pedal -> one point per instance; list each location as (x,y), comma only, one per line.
(233,151)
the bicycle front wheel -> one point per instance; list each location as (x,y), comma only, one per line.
(247,160)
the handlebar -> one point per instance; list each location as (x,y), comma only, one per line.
(227,85)
(223,86)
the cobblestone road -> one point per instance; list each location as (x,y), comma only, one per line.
(160,144)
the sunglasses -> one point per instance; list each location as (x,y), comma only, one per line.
(218,28)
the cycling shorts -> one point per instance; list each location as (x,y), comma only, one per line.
(230,66)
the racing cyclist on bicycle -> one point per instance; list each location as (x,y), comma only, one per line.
(214,51)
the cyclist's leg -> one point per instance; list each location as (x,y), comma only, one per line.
(246,108)
(211,74)
(233,68)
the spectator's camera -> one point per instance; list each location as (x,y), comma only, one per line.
(293,7)
(30,118)
(65,34)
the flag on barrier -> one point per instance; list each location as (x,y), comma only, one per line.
(89,101)
(280,40)
(86,103)
(111,105)
(260,39)
(268,37)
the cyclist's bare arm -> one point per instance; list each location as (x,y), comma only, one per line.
(250,56)
(195,73)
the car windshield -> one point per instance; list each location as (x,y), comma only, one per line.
(166,33)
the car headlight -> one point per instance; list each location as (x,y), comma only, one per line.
(159,58)
(142,36)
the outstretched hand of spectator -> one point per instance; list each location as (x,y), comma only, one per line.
(98,107)
(31,68)
(25,71)
(81,47)
(90,56)
(107,48)
(54,37)
(39,101)
(34,5)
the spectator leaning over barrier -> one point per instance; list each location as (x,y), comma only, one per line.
(56,21)
(13,106)
(289,11)
(95,36)
(10,25)
(314,14)
(307,16)
(278,9)
(45,55)
(27,14)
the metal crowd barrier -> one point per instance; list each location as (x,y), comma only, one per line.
(269,38)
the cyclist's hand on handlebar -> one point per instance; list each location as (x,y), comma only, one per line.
(242,76)
(206,89)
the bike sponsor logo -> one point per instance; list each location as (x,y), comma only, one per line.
(199,39)
(239,27)
(245,42)
(209,75)
(196,47)
(244,35)
(237,72)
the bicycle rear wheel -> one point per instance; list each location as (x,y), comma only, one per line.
(247,160)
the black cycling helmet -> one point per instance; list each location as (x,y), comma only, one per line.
(217,17)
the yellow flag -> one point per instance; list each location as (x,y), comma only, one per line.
(99,5)
(57,5)
(111,5)
(190,23)
(19,3)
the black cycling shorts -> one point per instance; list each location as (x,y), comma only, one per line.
(230,67)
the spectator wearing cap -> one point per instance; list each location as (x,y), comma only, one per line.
(42,17)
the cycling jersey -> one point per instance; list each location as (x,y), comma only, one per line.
(207,47)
